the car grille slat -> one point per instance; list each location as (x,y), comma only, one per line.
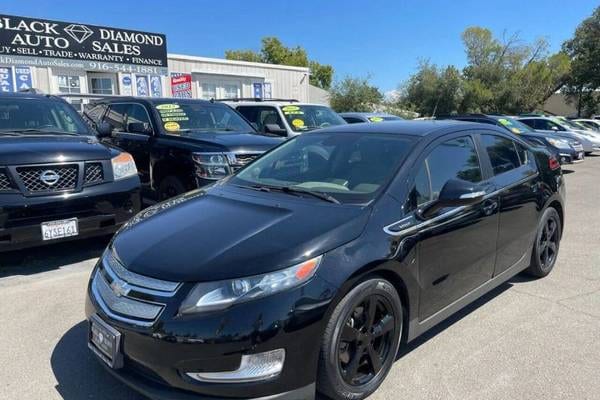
(31,177)
(124,305)
(94,173)
(242,159)
(4,181)
(141,281)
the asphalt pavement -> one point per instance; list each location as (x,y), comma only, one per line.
(527,339)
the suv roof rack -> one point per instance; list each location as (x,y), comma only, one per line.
(256,99)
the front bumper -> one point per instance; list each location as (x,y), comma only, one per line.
(155,358)
(99,209)
(570,156)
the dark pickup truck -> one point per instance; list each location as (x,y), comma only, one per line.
(178,144)
(57,181)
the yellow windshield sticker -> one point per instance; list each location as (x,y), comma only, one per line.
(290,108)
(515,130)
(298,123)
(504,121)
(294,112)
(167,106)
(375,119)
(171,126)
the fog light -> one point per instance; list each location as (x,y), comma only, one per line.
(253,367)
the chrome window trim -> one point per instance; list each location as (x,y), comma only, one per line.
(388,228)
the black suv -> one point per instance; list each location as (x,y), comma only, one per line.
(57,181)
(178,144)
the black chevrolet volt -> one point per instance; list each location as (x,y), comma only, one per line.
(308,269)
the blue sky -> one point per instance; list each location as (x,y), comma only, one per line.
(382,39)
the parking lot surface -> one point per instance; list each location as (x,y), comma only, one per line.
(528,339)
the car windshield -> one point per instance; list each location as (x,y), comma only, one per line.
(32,116)
(302,118)
(196,118)
(513,125)
(350,167)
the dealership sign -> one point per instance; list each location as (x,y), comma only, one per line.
(181,85)
(44,43)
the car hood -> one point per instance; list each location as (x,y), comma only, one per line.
(227,232)
(40,149)
(237,142)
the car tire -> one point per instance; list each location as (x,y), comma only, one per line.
(546,245)
(170,186)
(361,341)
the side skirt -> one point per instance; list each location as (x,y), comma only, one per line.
(417,328)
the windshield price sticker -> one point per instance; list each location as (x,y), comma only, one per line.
(298,123)
(172,113)
(171,126)
(376,119)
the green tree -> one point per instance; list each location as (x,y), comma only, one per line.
(583,81)
(273,51)
(432,90)
(355,94)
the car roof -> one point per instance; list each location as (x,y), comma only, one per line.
(411,128)
(29,95)
(149,100)
(270,103)
(366,114)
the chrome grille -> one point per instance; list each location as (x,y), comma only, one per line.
(93,173)
(32,178)
(577,146)
(124,305)
(242,159)
(4,181)
(123,294)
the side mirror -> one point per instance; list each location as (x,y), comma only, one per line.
(103,130)
(139,127)
(455,193)
(275,129)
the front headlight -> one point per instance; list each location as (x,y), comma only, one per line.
(561,144)
(123,166)
(211,296)
(211,165)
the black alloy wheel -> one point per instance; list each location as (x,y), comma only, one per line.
(366,340)
(361,341)
(547,243)
(170,187)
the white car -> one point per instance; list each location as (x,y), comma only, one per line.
(590,123)
(285,118)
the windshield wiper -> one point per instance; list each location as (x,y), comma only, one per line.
(294,190)
(314,193)
(35,131)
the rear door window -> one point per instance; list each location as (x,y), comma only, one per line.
(502,153)
(261,116)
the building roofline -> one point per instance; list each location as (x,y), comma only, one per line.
(236,62)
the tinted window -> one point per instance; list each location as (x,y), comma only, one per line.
(40,114)
(137,114)
(352,120)
(303,118)
(454,159)
(115,116)
(502,152)
(421,191)
(350,167)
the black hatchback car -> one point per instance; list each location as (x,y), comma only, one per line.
(309,268)
(57,181)
(178,144)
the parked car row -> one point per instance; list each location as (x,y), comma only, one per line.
(296,266)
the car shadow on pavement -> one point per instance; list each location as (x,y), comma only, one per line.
(80,375)
(567,171)
(40,259)
(454,318)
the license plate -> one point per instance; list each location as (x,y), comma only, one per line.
(105,341)
(60,229)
